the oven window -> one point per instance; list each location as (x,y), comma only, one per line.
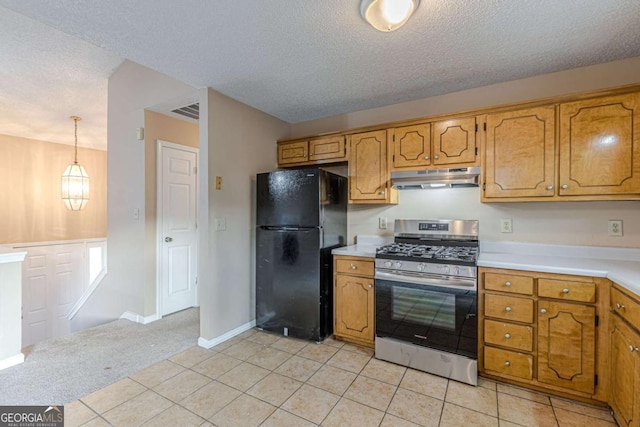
(422,307)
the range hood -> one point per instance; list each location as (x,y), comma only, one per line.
(436,178)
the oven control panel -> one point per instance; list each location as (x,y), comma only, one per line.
(392,266)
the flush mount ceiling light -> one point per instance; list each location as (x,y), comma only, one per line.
(75,181)
(387,15)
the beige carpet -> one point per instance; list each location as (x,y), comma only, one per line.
(63,369)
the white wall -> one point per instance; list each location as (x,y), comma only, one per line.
(132,88)
(237,143)
(583,223)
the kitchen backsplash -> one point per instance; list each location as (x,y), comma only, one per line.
(564,223)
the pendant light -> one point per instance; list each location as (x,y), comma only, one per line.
(75,181)
(387,15)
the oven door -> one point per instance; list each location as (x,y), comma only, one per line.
(431,315)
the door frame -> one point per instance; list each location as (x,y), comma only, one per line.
(159,219)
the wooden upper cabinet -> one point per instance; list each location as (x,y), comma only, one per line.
(566,345)
(329,148)
(600,146)
(293,152)
(519,153)
(411,146)
(454,141)
(368,168)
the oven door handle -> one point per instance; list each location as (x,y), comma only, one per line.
(437,281)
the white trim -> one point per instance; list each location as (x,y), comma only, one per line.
(7,257)
(85,296)
(11,361)
(136,318)
(163,143)
(203,342)
(54,242)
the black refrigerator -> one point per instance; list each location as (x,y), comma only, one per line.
(301,217)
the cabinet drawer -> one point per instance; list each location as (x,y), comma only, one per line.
(626,307)
(509,283)
(508,362)
(353,266)
(508,308)
(566,290)
(518,337)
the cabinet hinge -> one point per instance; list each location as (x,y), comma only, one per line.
(393,158)
(476,127)
(484,186)
(595,379)
(476,151)
(485,125)
(597,320)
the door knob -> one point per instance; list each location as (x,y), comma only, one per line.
(168,239)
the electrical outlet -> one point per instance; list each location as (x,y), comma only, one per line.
(505,225)
(382,223)
(615,227)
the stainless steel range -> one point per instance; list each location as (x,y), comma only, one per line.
(426,298)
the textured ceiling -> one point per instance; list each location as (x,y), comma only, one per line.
(47,76)
(301,60)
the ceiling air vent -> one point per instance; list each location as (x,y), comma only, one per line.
(192,111)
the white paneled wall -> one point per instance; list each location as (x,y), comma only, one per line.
(55,276)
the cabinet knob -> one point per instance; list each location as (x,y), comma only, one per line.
(508,309)
(507,363)
(353,267)
(620,306)
(549,187)
(632,348)
(436,157)
(543,311)
(381,193)
(565,186)
(507,336)
(507,284)
(370,286)
(565,290)
(426,157)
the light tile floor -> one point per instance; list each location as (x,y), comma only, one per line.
(261,379)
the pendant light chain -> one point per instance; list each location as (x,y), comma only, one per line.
(75,154)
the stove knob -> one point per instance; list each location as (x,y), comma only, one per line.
(398,264)
(421,266)
(456,271)
(446,269)
(388,264)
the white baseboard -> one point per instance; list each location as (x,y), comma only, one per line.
(128,315)
(202,342)
(11,361)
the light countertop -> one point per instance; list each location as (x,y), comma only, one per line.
(9,255)
(620,265)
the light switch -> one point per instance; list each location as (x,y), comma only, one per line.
(220,224)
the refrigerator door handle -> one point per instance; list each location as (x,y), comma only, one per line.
(272,228)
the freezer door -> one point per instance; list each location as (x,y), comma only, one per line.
(292,288)
(289,198)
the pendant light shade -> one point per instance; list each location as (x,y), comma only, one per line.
(387,15)
(75,180)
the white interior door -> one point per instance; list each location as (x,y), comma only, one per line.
(178,218)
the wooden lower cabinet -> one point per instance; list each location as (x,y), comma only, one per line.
(566,345)
(540,330)
(625,360)
(354,306)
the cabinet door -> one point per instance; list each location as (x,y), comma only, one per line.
(625,374)
(454,141)
(354,307)
(412,146)
(600,146)
(294,152)
(520,153)
(332,147)
(566,345)
(368,168)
